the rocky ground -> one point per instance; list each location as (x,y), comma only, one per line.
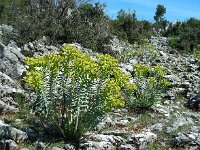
(169,124)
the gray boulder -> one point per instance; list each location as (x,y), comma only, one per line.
(11,60)
(126,147)
(9,132)
(180,121)
(102,145)
(8,85)
(186,140)
(8,90)
(8,145)
(119,47)
(38,48)
(142,139)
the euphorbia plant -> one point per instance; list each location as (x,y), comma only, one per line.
(150,84)
(73,91)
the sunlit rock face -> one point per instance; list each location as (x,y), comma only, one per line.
(11,60)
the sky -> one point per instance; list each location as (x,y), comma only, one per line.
(145,9)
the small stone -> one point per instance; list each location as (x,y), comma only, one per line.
(196,129)
(40,145)
(57,148)
(169,95)
(126,67)
(69,147)
(185,84)
(122,122)
(11,145)
(90,145)
(127,147)
(133,61)
(157,127)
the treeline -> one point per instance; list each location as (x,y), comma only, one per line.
(86,23)
(185,35)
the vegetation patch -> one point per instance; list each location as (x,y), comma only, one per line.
(150,83)
(73,91)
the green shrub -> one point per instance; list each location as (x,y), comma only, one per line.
(174,42)
(150,83)
(187,34)
(74,91)
(6,36)
(197,52)
(63,21)
(128,28)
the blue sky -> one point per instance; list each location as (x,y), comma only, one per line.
(145,9)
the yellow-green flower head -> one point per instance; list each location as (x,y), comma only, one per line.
(142,70)
(83,69)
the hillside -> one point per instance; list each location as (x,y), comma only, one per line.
(166,124)
(72,77)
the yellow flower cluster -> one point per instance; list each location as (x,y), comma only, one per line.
(155,75)
(79,66)
(142,70)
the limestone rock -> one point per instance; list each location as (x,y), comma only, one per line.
(186,139)
(57,148)
(179,122)
(9,132)
(8,144)
(38,48)
(118,47)
(103,145)
(69,147)
(11,60)
(40,145)
(142,139)
(126,147)
(8,85)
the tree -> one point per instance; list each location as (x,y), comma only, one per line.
(160,11)
(89,27)
(59,20)
(9,10)
(125,25)
(161,22)
(128,28)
